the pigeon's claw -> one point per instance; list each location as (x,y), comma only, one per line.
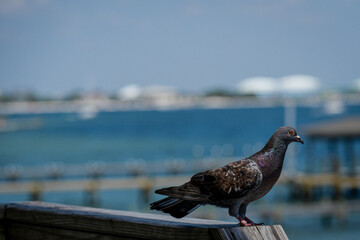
(243,222)
(252,223)
(246,222)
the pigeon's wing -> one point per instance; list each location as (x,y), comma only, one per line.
(231,181)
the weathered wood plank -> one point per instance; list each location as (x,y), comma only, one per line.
(275,232)
(33,232)
(279,232)
(234,233)
(2,221)
(271,232)
(54,208)
(120,223)
(56,221)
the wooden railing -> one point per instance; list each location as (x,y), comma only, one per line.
(39,220)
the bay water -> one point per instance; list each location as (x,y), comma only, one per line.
(155,136)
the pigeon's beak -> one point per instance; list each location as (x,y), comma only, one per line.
(298,139)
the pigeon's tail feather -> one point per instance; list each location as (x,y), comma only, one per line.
(175,207)
(187,191)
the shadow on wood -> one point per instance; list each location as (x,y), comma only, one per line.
(39,220)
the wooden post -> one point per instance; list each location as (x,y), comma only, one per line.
(309,160)
(351,163)
(2,222)
(37,220)
(258,232)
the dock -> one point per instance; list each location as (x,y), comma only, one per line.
(41,220)
(304,181)
(89,184)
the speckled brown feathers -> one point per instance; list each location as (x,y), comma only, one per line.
(228,182)
(232,186)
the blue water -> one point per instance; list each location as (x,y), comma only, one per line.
(151,136)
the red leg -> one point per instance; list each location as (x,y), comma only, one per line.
(243,222)
(252,223)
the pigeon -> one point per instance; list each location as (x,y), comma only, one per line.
(232,186)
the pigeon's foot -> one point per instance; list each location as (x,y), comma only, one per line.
(252,223)
(243,222)
(246,222)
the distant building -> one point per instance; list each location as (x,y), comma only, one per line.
(356,85)
(162,96)
(285,86)
(257,85)
(129,92)
(299,85)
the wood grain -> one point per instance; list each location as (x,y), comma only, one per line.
(34,232)
(37,220)
(2,221)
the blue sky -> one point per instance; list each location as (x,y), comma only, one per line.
(55,47)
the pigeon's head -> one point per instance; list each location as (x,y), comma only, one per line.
(288,135)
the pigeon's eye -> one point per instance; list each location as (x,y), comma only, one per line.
(291,132)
